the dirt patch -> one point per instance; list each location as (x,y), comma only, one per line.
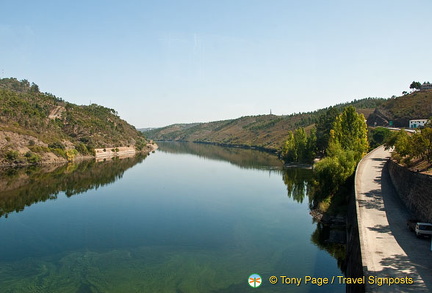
(57,112)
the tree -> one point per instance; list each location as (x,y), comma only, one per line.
(323,126)
(299,146)
(347,145)
(378,136)
(34,88)
(350,132)
(415,85)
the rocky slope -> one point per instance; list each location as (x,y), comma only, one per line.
(38,127)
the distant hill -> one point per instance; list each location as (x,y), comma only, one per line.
(36,126)
(263,131)
(417,105)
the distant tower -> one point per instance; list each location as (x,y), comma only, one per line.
(270,112)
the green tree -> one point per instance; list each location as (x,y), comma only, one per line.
(401,142)
(378,136)
(350,132)
(323,126)
(299,146)
(346,146)
(333,171)
(415,85)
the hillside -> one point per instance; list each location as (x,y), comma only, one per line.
(417,105)
(263,131)
(37,126)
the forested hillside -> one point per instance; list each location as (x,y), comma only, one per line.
(264,131)
(34,125)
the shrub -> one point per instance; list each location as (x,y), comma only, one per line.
(59,152)
(82,148)
(32,158)
(12,155)
(56,145)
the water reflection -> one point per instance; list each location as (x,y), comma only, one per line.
(22,187)
(299,183)
(298,180)
(173,228)
(331,239)
(243,158)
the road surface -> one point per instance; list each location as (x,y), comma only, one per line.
(388,248)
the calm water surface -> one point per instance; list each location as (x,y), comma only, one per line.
(188,218)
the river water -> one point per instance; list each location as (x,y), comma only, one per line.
(187,218)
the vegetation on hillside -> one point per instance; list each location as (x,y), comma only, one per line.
(262,131)
(412,150)
(398,111)
(34,123)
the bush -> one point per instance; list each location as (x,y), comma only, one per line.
(56,145)
(12,155)
(32,158)
(82,148)
(70,154)
(59,152)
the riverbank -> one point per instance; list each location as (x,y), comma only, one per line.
(18,150)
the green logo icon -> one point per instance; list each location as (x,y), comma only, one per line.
(255,280)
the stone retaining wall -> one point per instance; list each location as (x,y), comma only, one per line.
(415,190)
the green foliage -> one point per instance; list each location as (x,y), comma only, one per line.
(82,148)
(347,144)
(406,147)
(70,154)
(11,155)
(415,85)
(350,132)
(56,145)
(323,126)
(140,144)
(299,147)
(401,142)
(38,149)
(59,152)
(32,158)
(378,136)
(333,171)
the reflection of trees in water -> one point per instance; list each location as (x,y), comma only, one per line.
(244,158)
(322,238)
(21,187)
(298,182)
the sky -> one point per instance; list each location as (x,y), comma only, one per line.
(180,61)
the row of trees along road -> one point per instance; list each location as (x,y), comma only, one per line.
(408,148)
(340,139)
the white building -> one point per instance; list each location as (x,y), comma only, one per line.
(426,86)
(416,123)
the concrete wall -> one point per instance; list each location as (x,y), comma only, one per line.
(354,266)
(414,189)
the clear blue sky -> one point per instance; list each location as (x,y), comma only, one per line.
(162,62)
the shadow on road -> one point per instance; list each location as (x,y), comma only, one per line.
(372,201)
(417,250)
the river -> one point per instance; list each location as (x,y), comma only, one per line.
(187,218)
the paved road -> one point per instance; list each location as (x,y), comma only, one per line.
(388,248)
